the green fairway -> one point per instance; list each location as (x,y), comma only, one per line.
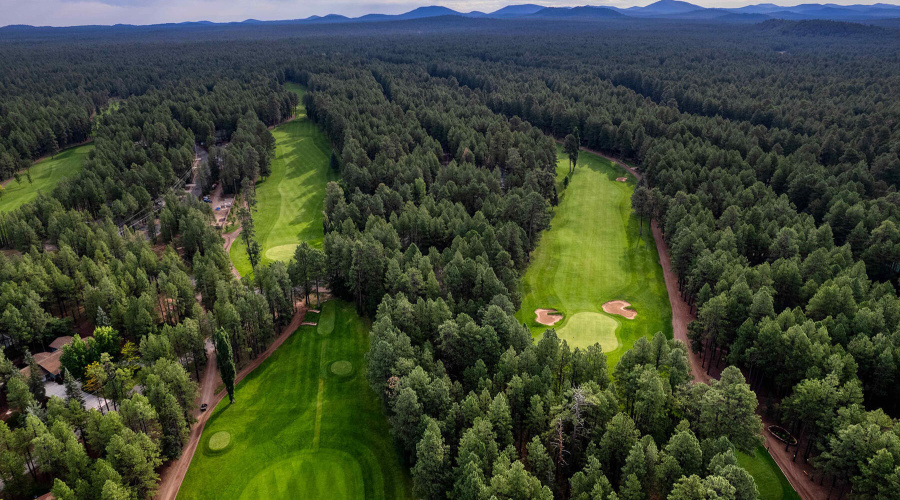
(770,481)
(305,424)
(593,254)
(289,202)
(45,174)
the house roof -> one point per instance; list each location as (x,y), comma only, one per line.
(49,361)
(60,342)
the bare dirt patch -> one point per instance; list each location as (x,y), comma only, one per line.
(547,317)
(622,179)
(619,307)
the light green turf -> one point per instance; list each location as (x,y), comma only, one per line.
(770,481)
(588,328)
(593,254)
(298,431)
(219,441)
(45,174)
(342,368)
(289,202)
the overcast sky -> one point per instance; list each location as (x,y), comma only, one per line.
(79,12)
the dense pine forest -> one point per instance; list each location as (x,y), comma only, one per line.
(770,156)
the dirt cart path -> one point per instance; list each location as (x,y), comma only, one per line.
(229,240)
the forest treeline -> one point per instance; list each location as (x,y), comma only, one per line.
(771,166)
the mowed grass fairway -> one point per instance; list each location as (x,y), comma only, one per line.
(289,202)
(770,481)
(45,174)
(304,424)
(593,254)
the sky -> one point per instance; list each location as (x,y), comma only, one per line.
(81,12)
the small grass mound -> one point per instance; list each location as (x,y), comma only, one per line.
(326,319)
(342,368)
(219,441)
(283,253)
(589,328)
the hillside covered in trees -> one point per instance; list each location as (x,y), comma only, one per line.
(771,164)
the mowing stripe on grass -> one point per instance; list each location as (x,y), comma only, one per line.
(318,430)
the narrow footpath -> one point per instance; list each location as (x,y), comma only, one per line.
(800,475)
(229,240)
(173,475)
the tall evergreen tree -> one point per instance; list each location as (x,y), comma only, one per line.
(225,361)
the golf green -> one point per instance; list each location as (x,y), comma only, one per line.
(593,253)
(289,201)
(298,431)
(45,175)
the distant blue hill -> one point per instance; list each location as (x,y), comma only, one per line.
(517,10)
(577,12)
(663,8)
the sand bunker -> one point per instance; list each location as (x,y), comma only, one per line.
(622,179)
(619,307)
(547,317)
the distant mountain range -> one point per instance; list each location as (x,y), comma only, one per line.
(662,9)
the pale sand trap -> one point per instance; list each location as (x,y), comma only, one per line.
(622,179)
(547,317)
(619,307)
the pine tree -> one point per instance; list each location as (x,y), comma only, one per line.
(225,361)
(35,377)
(632,489)
(430,472)
(73,390)
(174,428)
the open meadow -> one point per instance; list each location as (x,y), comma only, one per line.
(45,174)
(305,424)
(289,202)
(593,254)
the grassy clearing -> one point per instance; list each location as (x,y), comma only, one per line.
(593,254)
(289,202)
(299,430)
(770,481)
(45,174)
